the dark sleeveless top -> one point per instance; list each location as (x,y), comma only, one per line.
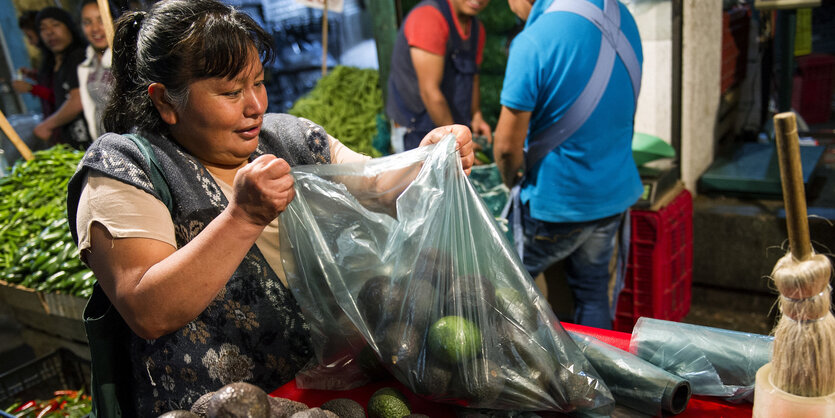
(404,104)
(253,330)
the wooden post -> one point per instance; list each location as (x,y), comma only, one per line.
(16,141)
(791,176)
(107,20)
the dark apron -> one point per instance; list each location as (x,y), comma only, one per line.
(405,106)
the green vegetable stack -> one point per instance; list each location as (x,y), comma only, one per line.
(37,249)
(345,102)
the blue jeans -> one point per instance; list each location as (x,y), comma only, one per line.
(588,249)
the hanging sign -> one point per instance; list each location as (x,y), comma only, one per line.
(333,5)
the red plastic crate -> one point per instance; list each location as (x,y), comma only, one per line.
(660,268)
(812,87)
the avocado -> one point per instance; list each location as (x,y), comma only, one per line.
(470,296)
(433,379)
(179,414)
(515,307)
(344,407)
(479,382)
(314,413)
(238,400)
(284,408)
(370,364)
(379,300)
(201,404)
(454,339)
(388,403)
(521,392)
(399,345)
(416,416)
(421,310)
(433,265)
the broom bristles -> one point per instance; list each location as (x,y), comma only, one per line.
(804,339)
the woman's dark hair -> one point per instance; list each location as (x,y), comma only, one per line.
(175,43)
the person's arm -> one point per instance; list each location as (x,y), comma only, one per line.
(429,68)
(65,114)
(509,143)
(480,126)
(158,289)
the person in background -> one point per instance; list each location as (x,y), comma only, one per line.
(565,128)
(94,78)
(433,79)
(44,93)
(64,52)
(199,284)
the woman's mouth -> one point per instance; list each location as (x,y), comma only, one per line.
(250,132)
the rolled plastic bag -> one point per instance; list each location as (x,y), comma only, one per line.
(635,382)
(397,262)
(716,362)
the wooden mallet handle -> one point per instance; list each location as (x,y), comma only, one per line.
(791,176)
(107,20)
(12,135)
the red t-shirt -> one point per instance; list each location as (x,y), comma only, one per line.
(426,28)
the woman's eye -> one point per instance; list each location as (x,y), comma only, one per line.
(232,93)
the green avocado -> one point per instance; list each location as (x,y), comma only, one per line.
(388,403)
(454,339)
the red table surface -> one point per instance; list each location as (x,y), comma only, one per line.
(699,406)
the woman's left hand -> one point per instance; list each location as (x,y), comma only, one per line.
(463,142)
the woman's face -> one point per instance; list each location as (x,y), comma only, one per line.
(56,35)
(222,118)
(93,27)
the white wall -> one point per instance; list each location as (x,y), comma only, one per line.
(701,78)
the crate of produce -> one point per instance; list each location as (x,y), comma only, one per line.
(660,268)
(40,378)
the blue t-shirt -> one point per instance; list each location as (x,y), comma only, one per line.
(592,174)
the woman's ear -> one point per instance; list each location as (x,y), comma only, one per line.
(166,110)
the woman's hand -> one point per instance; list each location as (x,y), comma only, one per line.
(42,131)
(263,189)
(463,142)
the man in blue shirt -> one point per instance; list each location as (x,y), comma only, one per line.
(564,139)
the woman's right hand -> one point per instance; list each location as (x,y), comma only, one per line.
(262,190)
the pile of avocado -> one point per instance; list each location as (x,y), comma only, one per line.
(243,400)
(465,340)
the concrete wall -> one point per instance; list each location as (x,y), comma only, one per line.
(654,113)
(701,77)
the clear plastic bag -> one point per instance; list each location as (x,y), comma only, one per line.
(397,262)
(716,362)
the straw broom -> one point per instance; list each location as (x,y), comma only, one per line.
(804,339)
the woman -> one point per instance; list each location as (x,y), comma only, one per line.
(94,77)
(197,284)
(64,51)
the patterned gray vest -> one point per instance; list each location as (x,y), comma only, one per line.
(253,330)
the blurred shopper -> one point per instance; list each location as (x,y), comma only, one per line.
(26,22)
(94,78)
(434,71)
(63,53)
(567,120)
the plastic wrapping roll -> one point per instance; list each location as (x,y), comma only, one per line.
(716,362)
(635,382)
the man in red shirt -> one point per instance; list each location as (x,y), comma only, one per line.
(434,71)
